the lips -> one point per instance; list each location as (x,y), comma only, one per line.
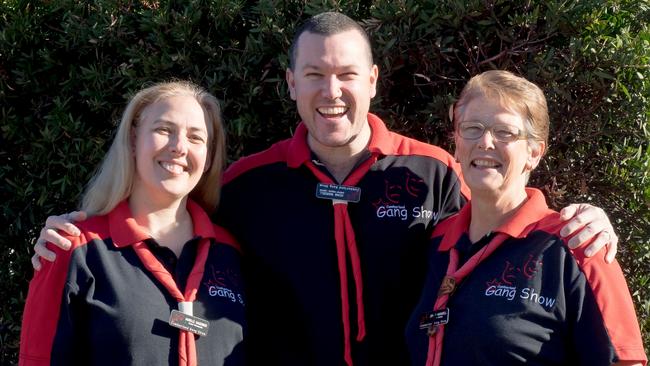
(485,163)
(172,167)
(333,111)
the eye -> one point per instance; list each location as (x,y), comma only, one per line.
(347,75)
(506,132)
(313,75)
(163,130)
(471,129)
(197,139)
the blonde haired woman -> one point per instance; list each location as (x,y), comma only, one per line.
(503,288)
(150,280)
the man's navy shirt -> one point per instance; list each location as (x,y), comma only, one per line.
(289,251)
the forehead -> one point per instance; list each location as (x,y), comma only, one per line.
(179,109)
(490,110)
(347,48)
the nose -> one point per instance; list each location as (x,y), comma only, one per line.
(178,144)
(331,87)
(486,141)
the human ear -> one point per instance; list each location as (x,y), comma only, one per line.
(536,150)
(374,75)
(291,83)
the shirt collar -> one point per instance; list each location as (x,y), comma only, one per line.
(125,231)
(380,142)
(518,226)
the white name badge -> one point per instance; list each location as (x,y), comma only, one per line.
(190,323)
(338,192)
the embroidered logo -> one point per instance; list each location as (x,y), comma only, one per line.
(504,285)
(391,204)
(225,284)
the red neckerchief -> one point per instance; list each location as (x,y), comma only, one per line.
(133,235)
(343,229)
(453,277)
(346,245)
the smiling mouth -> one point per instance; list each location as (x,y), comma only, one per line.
(481,163)
(332,112)
(172,168)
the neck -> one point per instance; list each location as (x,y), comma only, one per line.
(488,213)
(340,160)
(169,224)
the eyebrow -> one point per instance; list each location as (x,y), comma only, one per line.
(316,67)
(166,121)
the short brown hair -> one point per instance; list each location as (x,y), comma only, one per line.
(514,92)
(327,24)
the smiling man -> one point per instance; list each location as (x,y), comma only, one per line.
(333,222)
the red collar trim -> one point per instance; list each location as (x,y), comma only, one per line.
(519,225)
(380,141)
(299,152)
(125,231)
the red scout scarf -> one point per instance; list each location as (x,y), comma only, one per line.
(346,245)
(343,229)
(519,225)
(131,233)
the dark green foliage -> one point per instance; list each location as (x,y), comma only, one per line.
(67,68)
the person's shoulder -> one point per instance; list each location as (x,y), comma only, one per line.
(551,225)
(550,222)
(93,228)
(403,145)
(224,237)
(444,226)
(274,154)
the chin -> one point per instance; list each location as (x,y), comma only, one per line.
(176,192)
(490,188)
(335,141)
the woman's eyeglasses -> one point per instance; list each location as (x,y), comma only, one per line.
(474,130)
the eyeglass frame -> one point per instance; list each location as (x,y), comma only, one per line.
(522,135)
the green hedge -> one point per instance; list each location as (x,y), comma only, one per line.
(67,68)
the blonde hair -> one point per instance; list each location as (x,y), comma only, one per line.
(513,92)
(113,181)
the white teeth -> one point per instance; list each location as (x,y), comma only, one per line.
(332,110)
(485,163)
(172,168)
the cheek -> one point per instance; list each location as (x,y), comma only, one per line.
(302,101)
(200,156)
(360,93)
(517,158)
(462,150)
(139,150)
(303,88)
(146,146)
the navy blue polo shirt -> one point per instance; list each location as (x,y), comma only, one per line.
(289,250)
(99,304)
(533,301)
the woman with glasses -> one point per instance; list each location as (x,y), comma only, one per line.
(502,286)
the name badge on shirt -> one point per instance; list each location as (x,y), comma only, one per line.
(434,318)
(337,192)
(190,323)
